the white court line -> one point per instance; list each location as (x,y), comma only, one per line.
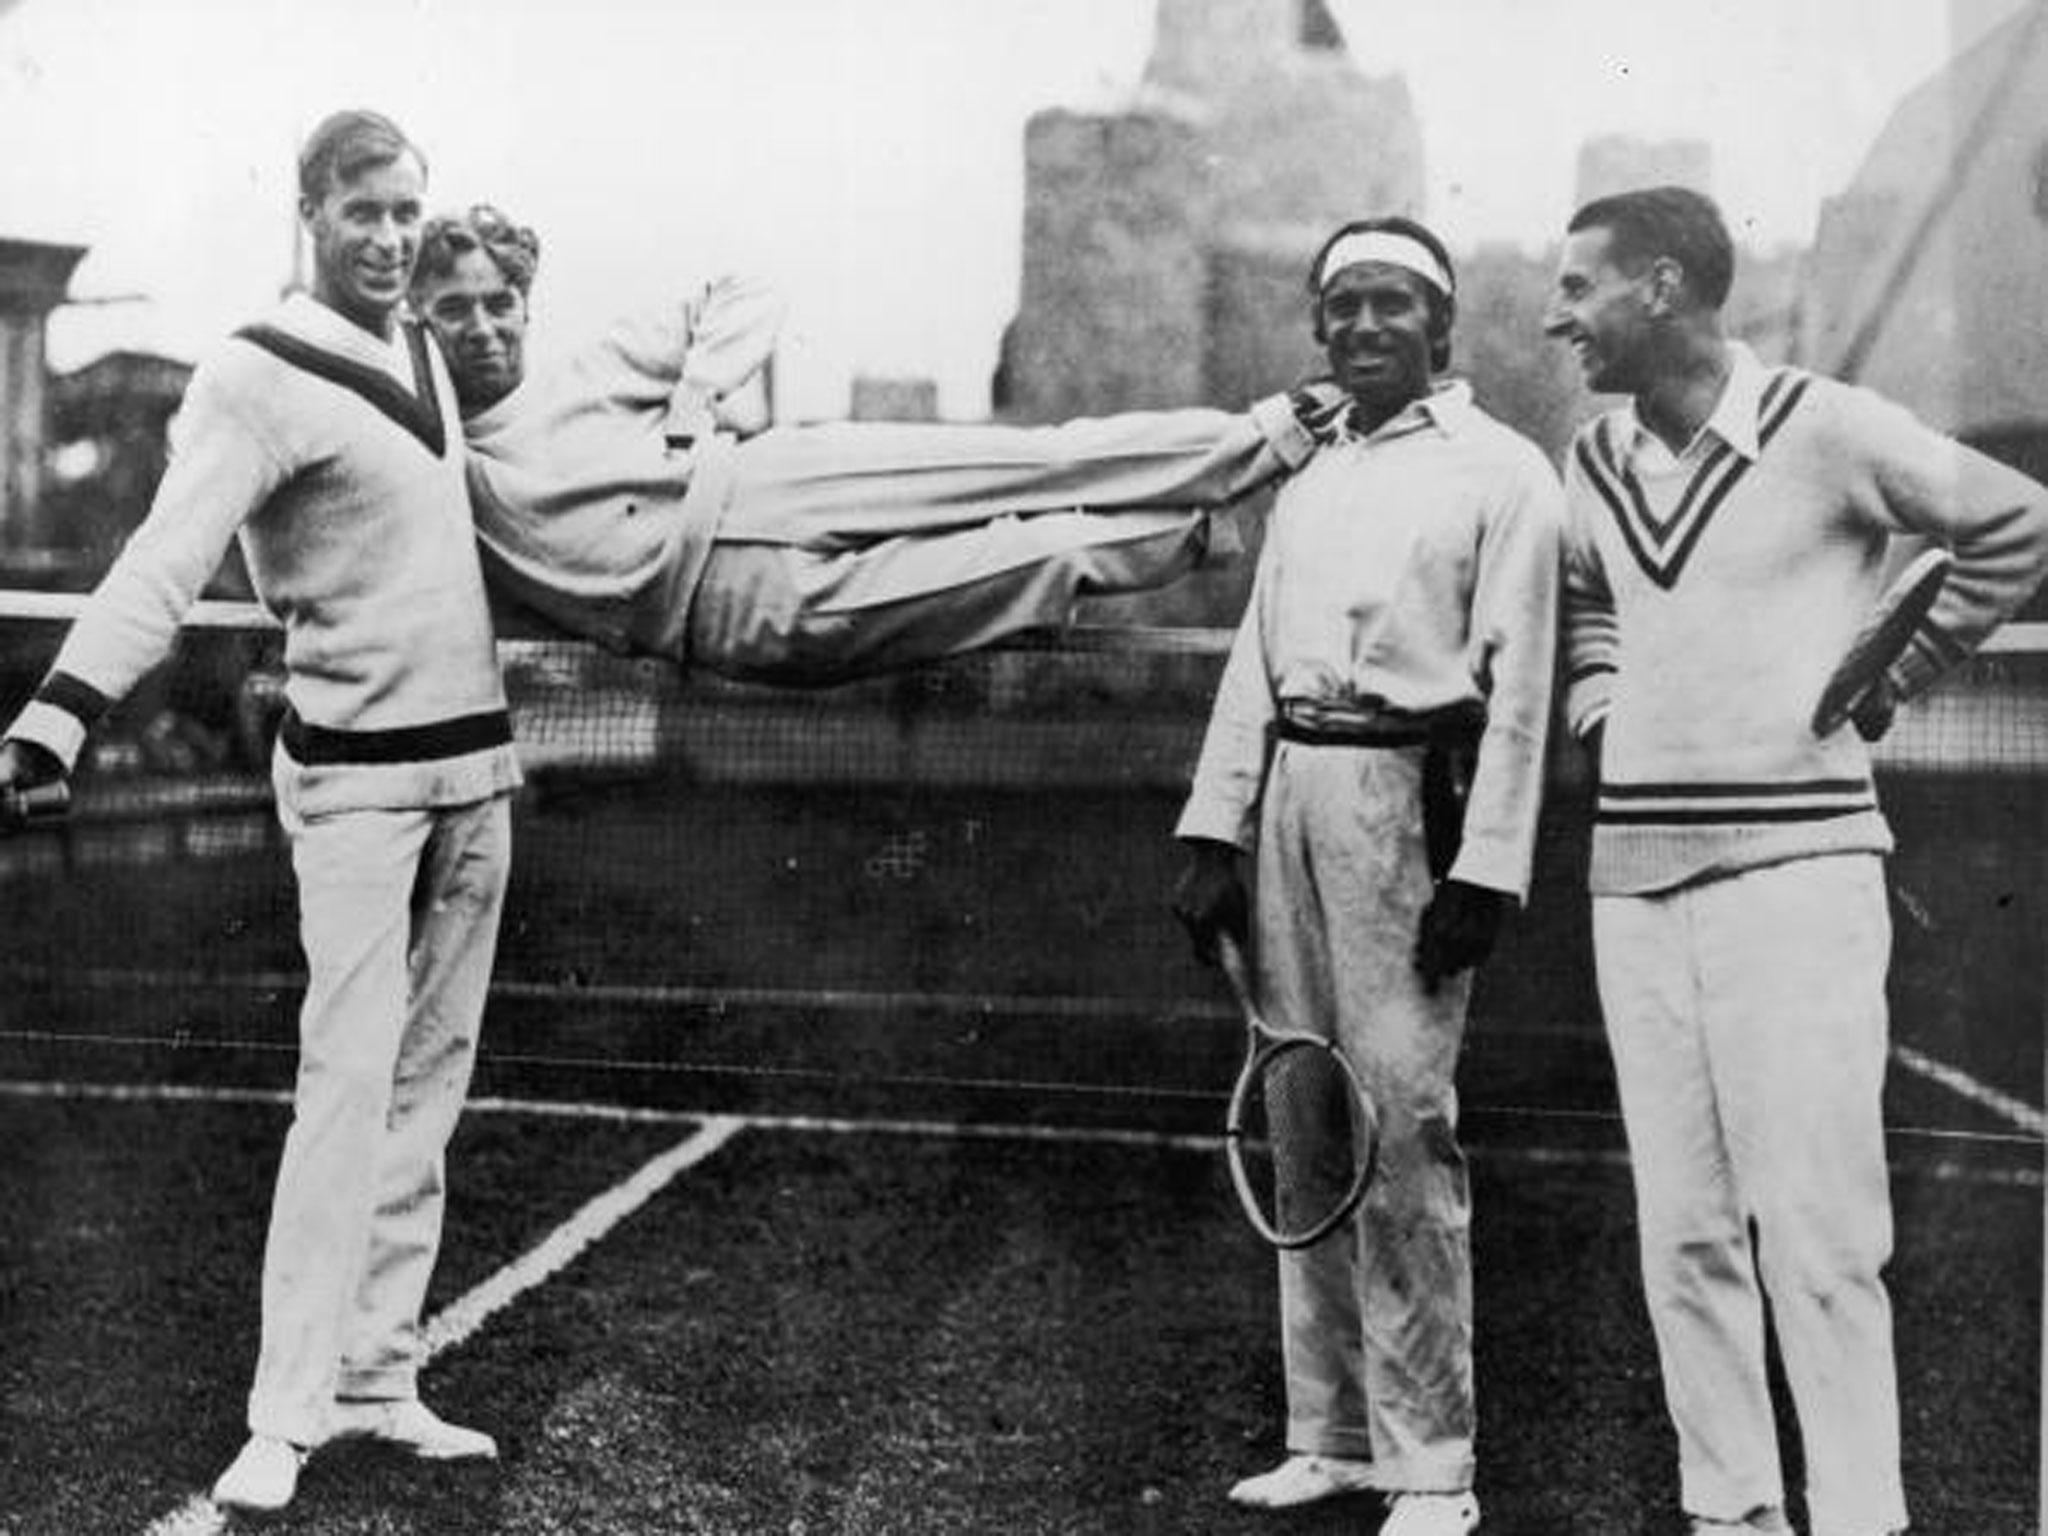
(467,1313)
(2016,1111)
(200,1516)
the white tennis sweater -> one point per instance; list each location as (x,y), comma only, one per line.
(1709,594)
(336,458)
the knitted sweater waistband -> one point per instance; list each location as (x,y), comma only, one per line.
(1641,857)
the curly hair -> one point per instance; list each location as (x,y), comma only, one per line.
(448,237)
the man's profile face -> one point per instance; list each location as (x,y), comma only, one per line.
(1374,321)
(365,231)
(480,320)
(1600,311)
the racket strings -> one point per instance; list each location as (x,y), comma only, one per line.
(1303,1140)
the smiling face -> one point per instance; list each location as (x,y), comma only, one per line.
(1376,323)
(365,230)
(1602,312)
(480,318)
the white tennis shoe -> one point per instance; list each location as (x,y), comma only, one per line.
(409,1425)
(1767,1519)
(1303,1480)
(1432,1514)
(263,1477)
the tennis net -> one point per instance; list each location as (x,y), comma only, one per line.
(943,891)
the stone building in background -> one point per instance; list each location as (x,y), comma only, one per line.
(1164,244)
(33,278)
(109,440)
(1928,279)
(877,398)
(1622,162)
(1929,274)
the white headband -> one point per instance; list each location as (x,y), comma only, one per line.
(1390,247)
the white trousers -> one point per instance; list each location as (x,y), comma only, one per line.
(398,915)
(1376,1320)
(1747,1020)
(855,547)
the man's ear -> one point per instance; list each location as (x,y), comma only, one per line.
(1443,312)
(1667,285)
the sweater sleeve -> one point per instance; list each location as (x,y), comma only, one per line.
(696,350)
(220,472)
(1994,520)
(1230,775)
(1592,634)
(1513,655)
(731,328)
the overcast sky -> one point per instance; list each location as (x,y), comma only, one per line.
(867,153)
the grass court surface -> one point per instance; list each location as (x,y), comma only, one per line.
(834,1330)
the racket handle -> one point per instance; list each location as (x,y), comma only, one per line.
(28,805)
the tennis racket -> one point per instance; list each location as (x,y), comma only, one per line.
(1882,639)
(1301,1135)
(29,805)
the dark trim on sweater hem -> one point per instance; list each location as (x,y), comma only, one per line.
(315,746)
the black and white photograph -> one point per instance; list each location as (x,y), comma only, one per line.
(1023,767)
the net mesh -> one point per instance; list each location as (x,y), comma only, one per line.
(1301,1144)
(942,891)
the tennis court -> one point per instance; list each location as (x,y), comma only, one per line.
(843,1152)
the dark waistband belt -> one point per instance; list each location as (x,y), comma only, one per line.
(319,745)
(1457,729)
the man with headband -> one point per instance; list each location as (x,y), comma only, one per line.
(610,503)
(1392,676)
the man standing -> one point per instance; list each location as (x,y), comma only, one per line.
(1727,534)
(1396,653)
(609,505)
(323,439)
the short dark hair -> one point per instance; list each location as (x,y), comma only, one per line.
(451,236)
(1667,222)
(347,143)
(1443,308)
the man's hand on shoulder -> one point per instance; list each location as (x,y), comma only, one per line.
(1320,406)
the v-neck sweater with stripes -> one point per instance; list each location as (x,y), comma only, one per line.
(1709,594)
(337,459)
